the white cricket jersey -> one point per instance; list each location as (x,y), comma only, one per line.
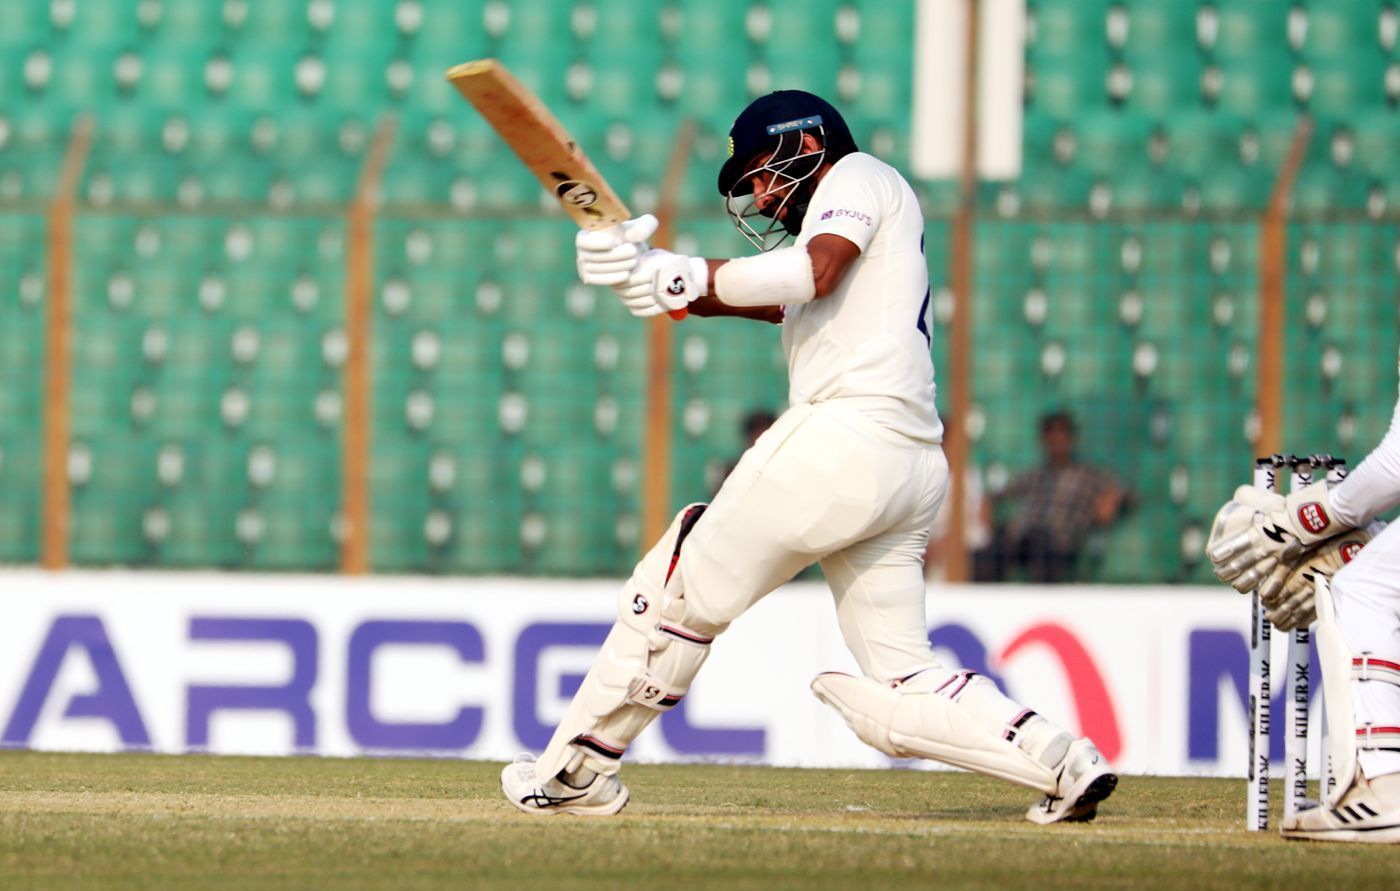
(867,343)
(1373,487)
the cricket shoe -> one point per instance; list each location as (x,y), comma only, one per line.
(1082,780)
(602,796)
(1369,811)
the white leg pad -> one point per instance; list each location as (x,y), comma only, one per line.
(1341,670)
(645,666)
(960,718)
(1334,660)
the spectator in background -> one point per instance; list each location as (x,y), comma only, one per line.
(755,422)
(977,533)
(1058,504)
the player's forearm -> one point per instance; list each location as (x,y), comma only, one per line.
(1373,487)
(710,306)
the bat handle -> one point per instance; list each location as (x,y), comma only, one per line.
(678,314)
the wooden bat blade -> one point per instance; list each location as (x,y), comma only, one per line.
(542,144)
(540,141)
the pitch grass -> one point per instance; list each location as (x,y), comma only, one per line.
(143,821)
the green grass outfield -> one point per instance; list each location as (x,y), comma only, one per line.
(141,821)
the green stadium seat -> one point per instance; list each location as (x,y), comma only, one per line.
(352,24)
(1201,142)
(20,467)
(1321,187)
(1377,136)
(1348,84)
(1249,28)
(1153,26)
(355,76)
(800,69)
(99,24)
(20,22)
(812,23)
(202,530)
(1165,81)
(109,493)
(1142,187)
(1109,140)
(269,22)
(1343,29)
(186,24)
(1256,83)
(293,537)
(1067,86)
(1066,27)
(575,542)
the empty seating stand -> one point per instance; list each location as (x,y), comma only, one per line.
(1116,276)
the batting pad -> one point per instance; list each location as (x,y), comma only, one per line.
(645,666)
(959,718)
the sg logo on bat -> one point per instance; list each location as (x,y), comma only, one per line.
(575,192)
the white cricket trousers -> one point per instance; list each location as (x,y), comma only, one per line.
(826,484)
(1367,595)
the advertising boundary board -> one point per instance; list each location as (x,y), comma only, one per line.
(483,667)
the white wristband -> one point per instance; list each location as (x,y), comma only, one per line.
(700,275)
(778,278)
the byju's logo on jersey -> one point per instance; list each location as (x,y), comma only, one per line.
(852,214)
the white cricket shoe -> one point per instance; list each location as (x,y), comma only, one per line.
(602,796)
(1082,780)
(1369,811)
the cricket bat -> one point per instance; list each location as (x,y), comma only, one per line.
(542,144)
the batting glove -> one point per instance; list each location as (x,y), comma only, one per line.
(608,256)
(663,282)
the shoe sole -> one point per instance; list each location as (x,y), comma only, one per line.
(1086,806)
(1381,835)
(587,810)
(583,810)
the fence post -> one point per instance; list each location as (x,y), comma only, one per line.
(58,348)
(959,377)
(1273,261)
(358,381)
(658,440)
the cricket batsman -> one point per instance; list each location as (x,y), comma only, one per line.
(1281,545)
(850,476)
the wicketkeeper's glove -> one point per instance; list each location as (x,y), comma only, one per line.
(1258,530)
(1289,594)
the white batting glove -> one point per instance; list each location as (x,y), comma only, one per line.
(608,256)
(663,282)
(1293,603)
(1257,531)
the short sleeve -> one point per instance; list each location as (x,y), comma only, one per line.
(850,202)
